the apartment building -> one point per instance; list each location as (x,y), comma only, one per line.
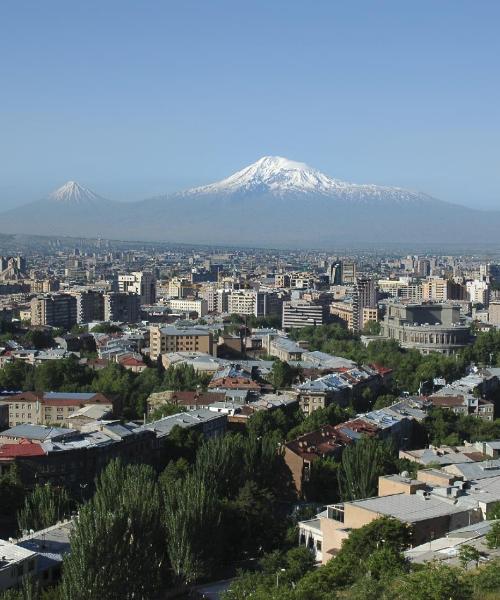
(141,283)
(89,306)
(56,310)
(168,339)
(124,307)
(364,296)
(46,408)
(44,286)
(478,292)
(441,290)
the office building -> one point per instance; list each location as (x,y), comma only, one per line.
(300,313)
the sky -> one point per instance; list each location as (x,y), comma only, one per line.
(137,98)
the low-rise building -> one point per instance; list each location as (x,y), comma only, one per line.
(45,408)
(169,339)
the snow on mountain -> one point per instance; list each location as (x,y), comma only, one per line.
(280,176)
(72,193)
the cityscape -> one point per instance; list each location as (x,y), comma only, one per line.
(241,376)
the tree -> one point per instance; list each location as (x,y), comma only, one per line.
(11,493)
(323,484)
(493,535)
(467,554)
(433,582)
(117,546)
(282,374)
(372,328)
(384,400)
(494,511)
(191,517)
(106,328)
(43,507)
(362,464)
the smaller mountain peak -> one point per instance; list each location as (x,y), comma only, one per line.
(74,193)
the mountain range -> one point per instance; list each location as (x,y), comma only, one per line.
(274,202)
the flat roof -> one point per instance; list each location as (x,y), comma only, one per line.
(406,507)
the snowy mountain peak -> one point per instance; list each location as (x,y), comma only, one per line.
(74,193)
(280,177)
(274,174)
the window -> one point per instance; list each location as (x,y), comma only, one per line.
(318,545)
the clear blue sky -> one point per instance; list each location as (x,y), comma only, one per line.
(138,97)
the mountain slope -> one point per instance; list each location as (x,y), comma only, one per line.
(272,202)
(72,209)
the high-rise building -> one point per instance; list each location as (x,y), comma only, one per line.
(123,307)
(335,273)
(478,292)
(423,267)
(364,297)
(342,273)
(349,272)
(56,310)
(142,283)
(441,290)
(89,306)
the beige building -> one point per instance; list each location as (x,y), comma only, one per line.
(46,408)
(345,312)
(441,290)
(163,340)
(431,514)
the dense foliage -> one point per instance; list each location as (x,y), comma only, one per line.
(130,389)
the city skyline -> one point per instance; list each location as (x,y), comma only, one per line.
(135,103)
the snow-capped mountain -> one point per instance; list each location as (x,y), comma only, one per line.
(272,202)
(71,210)
(280,176)
(74,193)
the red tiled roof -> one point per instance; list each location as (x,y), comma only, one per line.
(359,426)
(381,369)
(23,448)
(189,398)
(131,362)
(447,400)
(235,383)
(317,443)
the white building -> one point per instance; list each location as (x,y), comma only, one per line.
(183,305)
(478,292)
